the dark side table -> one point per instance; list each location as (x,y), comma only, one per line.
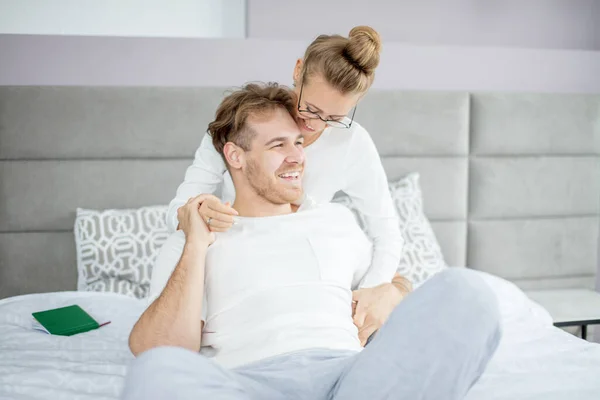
(570,307)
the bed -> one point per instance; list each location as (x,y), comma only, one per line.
(534,361)
(511,183)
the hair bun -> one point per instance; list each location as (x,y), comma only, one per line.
(364,46)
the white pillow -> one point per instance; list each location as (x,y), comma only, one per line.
(421,255)
(116,249)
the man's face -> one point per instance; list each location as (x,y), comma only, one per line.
(275,162)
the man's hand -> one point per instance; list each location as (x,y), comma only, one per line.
(191,222)
(373,307)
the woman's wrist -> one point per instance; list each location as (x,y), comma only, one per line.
(402,284)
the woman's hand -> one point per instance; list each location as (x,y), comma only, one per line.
(191,222)
(216,215)
(371,308)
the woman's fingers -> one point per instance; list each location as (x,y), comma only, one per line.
(220,215)
(216,224)
(364,333)
(219,230)
(222,208)
(216,216)
(208,212)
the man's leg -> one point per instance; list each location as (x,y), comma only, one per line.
(303,375)
(435,344)
(175,373)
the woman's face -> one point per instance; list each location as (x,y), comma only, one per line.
(320,98)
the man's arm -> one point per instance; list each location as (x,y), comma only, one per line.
(174,318)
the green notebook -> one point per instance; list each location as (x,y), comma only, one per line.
(66,321)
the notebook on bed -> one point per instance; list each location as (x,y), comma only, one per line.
(65,321)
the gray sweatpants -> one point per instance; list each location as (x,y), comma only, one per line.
(435,345)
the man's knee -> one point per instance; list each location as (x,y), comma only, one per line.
(465,285)
(469,298)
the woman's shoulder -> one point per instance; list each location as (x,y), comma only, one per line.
(355,129)
(353,137)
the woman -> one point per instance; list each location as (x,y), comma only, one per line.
(329,81)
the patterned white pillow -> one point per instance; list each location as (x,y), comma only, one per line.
(421,256)
(116,249)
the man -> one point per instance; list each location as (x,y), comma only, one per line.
(274,292)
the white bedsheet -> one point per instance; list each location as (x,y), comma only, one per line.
(91,365)
(534,360)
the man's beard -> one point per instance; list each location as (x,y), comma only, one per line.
(267,188)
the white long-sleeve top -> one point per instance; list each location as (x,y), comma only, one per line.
(340,160)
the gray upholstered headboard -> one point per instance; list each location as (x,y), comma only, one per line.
(511,181)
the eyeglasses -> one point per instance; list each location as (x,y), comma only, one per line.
(345,122)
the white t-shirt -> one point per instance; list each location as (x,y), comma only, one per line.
(280,284)
(340,160)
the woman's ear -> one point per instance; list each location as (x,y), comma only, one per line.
(234,155)
(298,71)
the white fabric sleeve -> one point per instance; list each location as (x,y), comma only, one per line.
(203,176)
(165,264)
(363,262)
(367,186)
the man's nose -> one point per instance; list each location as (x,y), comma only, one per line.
(296,155)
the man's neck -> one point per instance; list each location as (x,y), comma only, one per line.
(253,205)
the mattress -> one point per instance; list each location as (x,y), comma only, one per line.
(534,360)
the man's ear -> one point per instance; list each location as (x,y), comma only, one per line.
(234,155)
(298,71)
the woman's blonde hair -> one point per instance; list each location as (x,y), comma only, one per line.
(348,64)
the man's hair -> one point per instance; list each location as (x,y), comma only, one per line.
(252,100)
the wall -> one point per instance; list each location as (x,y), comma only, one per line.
(551,24)
(64,60)
(153,18)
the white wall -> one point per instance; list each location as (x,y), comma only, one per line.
(549,24)
(155,18)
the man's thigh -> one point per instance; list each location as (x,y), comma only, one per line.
(177,373)
(303,375)
(435,344)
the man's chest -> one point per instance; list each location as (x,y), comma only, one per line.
(260,262)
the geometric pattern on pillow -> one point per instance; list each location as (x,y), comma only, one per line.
(116,249)
(421,254)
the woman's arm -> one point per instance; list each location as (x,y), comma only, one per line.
(203,176)
(367,186)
